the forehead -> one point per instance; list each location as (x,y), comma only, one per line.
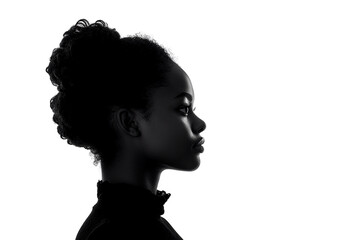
(177,82)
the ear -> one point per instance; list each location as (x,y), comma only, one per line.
(127,122)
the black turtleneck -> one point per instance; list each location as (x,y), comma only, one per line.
(127,212)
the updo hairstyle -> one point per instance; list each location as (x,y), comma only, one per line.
(95,72)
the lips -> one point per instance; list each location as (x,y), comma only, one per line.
(199,142)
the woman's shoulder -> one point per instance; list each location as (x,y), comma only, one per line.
(99,225)
(130,229)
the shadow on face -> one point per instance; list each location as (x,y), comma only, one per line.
(172,131)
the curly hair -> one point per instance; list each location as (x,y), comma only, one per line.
(95,70)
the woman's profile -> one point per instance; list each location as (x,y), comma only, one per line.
(128,102)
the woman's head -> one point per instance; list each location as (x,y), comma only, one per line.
(97,73)
(169,137)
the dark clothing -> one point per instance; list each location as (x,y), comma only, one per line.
(127,212)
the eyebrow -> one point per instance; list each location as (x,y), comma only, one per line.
(185,94)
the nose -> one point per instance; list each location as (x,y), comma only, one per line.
(199,125)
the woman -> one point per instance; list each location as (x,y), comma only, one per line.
(131,105)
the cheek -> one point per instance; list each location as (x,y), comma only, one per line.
(168,138)
(172,134)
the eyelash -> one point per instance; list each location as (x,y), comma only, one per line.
(187,107)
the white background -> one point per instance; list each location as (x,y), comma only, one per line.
(277,83)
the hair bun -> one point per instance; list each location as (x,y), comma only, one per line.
(92,70)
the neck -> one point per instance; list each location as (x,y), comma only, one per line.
(131,170)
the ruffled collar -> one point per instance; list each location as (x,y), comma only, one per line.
(125,199)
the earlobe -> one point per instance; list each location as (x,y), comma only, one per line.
(126,121)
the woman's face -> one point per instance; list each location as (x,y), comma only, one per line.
(173,129)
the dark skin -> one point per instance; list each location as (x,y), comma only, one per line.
(165,141)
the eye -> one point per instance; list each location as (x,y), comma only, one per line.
(187,109)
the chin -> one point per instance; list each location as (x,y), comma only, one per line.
(195,168)
(189,164)
(192,165)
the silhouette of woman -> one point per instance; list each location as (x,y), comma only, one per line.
(131,105)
